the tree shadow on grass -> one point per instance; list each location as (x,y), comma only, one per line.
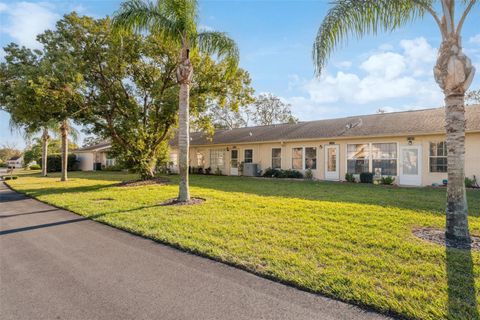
(462,297)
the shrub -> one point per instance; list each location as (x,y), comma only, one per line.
(10,177)
(349,177)
(470,183)
(366,177)
(388,180)
(309,174)
(35,167)
(279,173)
(208,171)
(218,172)
(54,163)
(115,167)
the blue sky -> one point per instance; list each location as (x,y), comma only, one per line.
(391,71)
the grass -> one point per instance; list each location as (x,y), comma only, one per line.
(348,241)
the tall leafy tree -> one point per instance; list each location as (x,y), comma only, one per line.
(17,97)
(453,72)
(177,20)
(269,109)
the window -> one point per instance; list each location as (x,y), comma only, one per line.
(200,159)
(311,158)
(357,158)
(248,156)
(276,158)
(297,158)
(217,159)
(110,162)
(438,156)
(384,157)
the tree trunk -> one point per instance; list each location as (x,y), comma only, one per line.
(454,73)
(147,169)
(457,208)
(64,132)
(45,138)
(184,76)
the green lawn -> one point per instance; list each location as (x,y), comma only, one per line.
(348,241)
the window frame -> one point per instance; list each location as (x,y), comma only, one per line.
(305,158)
(301,158)
(369,161)
(245,156)
(430,156)
(277,158)
(389,159)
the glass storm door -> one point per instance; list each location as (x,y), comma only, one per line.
(411,165)
(234,162)
(332,171)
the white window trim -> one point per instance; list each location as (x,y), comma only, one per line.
(303,157)
(271,157)
(430,156)
(370,155)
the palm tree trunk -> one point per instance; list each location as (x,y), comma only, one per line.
(184,76)
(45,138)
(457,208)
(64,132)
(454,73)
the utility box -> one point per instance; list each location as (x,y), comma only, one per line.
(250,169)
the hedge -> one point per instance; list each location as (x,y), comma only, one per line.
(54,163)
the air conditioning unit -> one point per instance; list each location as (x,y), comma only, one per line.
(250,169)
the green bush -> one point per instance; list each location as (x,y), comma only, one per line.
(470,182)
(218,172)
(366,177)
(388,180)
(10,177)
(309,174)
(35,167)
(279,173)
(115,167)
(54,163)
(349,177)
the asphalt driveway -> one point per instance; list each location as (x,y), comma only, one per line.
(57,265)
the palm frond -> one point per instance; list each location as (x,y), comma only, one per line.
(139,16)
(361,17)
(218,43)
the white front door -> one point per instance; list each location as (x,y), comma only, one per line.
(234,162)
(411,165)
(332,171)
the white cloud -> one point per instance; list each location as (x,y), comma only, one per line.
(475,39)
(3,7)
(343,64)
(26,20)
(387,77)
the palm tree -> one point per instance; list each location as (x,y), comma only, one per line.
(176,20)
(453,72)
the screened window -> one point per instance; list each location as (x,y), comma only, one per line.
(276,158)
(217,159)
(110,162)
(311,158)
(297,158)
(438,156)
(248,156)
(384,158)
(357,158)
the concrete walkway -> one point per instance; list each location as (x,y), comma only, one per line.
(57,265)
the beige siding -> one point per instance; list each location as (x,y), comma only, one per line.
(262,154)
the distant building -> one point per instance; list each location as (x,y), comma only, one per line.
(15,162)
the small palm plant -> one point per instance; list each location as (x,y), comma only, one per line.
(453,72)
(176,20)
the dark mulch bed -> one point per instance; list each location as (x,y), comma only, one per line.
(175,202)
(438,236)
(139,183)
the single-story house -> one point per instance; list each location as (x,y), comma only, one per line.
(409,146)
(94,157)
(15,162)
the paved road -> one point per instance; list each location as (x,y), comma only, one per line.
(57,265)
